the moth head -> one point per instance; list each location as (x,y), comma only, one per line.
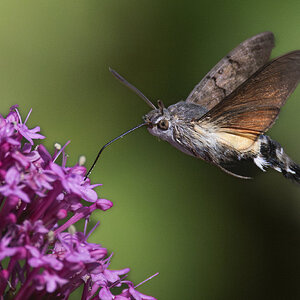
(160,121)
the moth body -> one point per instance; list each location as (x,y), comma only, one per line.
(202,140)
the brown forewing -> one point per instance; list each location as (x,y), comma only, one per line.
(253,107)
(233,70)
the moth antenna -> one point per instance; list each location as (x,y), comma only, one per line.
(161,106)
(107,144)
(133,88)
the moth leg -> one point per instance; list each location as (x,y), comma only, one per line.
(234,174)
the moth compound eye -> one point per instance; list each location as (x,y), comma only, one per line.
(163,124)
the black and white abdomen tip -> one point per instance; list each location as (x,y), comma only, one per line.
(272,155)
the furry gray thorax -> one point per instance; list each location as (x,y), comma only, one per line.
(180,132)
(181,111)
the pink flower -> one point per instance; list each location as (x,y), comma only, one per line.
(28,134)
(6,251)
(12,187)
(39,200)
(50,282)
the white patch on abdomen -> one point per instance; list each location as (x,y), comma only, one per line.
(260,162)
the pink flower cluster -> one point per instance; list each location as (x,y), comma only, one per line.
(38,258)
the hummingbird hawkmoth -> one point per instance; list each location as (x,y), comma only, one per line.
(224,118)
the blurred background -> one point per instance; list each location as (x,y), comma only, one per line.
(211,236)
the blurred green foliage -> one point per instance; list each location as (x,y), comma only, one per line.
(209,235)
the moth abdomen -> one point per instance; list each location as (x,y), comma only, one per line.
(272,155)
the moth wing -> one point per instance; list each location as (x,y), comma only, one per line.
(233,70)
(254,106)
